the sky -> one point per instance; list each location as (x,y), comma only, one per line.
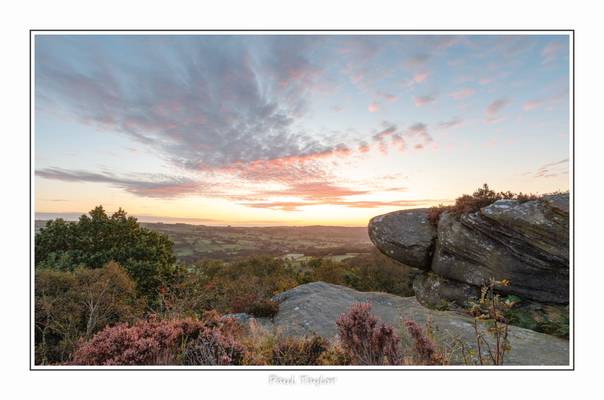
(294,129)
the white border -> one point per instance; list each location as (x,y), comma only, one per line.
(33,34)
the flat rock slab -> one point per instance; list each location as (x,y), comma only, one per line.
(314,307)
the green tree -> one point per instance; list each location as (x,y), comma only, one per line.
(98,238)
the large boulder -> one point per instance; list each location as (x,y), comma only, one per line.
(525,243)
(406,236)
(315,307)
(434,291)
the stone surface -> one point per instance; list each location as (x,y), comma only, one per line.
(314,307)
(434,291)
(525,243)
(406,236)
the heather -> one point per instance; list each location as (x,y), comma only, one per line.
(217,340)
(481,197)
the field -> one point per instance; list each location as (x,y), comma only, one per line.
(196,242)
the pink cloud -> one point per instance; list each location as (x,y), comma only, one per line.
(363,147)
(387,96)
(462,93)
(421,101)
(420,76)
(532,104)
(493,109)
(550,52)
(294,205)
(373,107)
(536,103)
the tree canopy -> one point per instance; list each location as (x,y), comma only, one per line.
(98,238)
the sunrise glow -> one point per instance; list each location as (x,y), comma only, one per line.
(294,130)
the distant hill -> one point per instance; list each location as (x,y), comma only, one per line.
(195,242)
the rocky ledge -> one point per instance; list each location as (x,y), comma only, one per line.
(526,243)
(314,308)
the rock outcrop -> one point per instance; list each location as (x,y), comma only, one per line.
(526,243)
(407,236)
(434,291)
(315,307)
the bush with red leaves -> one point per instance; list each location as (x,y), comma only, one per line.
(367,340)
(482,197)
(210,341)
(425,350)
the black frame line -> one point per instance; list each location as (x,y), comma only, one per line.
(571,33)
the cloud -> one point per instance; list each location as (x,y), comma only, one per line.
(295,205)
(363,147)
(485,80)
(202,103)
(455,122)
(462,93)
(387,96)
(552,169)
(373,107)
(540,102)
(420,76)
(323,191)
(144,185)
(493,109)
(532,104)
(420,130)
(388,131)
(418,59)
(550,52)
(423,100)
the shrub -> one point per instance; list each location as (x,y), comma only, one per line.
(70,305)
(259,344)
(377,272)
(262,308)
(210,341)
(491,310)
(246,285)
(299,351)
(335,355)
(425,349)
(482,197)
(365,339)
(97,239)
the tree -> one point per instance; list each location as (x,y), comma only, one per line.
(97,239)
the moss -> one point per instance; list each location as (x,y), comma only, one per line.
(552,320)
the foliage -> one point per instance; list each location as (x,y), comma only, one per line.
(549,319)
(97,239)
(491,310)
(299,351)
(426,352)
(70,305)
(365,339)
(370,272)
(210,341)
(376,272)
(335,355)
(244,286)
(482,197)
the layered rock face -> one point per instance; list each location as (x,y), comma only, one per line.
(526,243)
